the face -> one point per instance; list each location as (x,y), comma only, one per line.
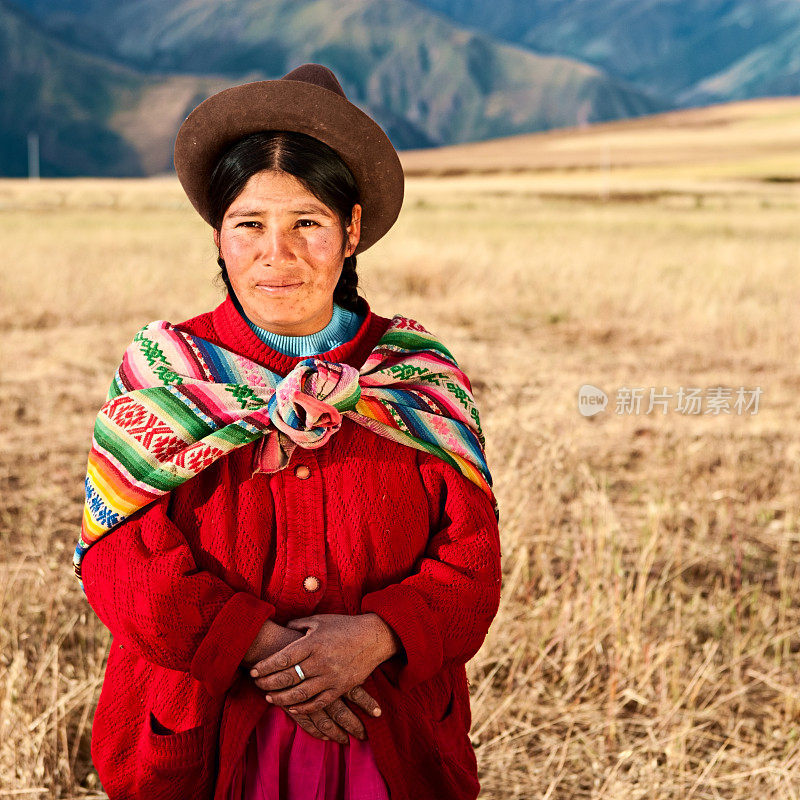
(284,250)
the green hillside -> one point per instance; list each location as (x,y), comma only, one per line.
(93,115)
(67,97)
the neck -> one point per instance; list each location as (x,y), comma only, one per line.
(342,327)
(232,331)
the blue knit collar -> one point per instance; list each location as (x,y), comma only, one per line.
(342,328)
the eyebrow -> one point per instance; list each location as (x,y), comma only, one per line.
(257,212)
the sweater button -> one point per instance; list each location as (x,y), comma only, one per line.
(311,583)
(302,471)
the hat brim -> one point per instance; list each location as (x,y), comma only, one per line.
(302,107)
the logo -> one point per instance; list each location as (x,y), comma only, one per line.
(591,400)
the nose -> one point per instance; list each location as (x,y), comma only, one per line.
(276,246)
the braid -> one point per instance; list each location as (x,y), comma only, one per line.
(346,292)
(223,274)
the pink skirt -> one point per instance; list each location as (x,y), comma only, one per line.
(283,762)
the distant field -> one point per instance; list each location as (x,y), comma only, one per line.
(647,643)
(749,139)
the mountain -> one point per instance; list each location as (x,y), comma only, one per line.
(769,70)
(451,84)
(93,115)
(426,80)
(689,51)
(65,96)
(106,85)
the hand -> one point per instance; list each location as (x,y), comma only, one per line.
(337,720)
(336,654)
(334,721)
(270,639)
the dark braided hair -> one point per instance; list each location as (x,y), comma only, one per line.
(317,166)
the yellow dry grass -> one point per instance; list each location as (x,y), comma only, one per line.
(747,139)
(647,642)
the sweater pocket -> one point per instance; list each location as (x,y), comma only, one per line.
(175,765)
(168,745)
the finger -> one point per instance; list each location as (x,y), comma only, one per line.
(290,655)
(307,724)
(361,697)
(301,693)
(284,679)
(317,703)
(346,719)
(325,724)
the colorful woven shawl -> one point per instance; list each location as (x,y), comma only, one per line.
(178,403)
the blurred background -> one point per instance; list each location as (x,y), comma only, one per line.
(105,86)
(602,194)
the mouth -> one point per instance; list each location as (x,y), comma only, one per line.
(278,287)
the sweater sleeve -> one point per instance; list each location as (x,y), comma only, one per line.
(442,612)
(142,581)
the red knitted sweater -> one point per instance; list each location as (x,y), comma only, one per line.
(186,584)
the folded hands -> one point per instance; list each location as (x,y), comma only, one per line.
(336,653)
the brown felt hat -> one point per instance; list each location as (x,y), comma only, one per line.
(307,100)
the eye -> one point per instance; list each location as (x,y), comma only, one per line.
(306,223)
(248,223)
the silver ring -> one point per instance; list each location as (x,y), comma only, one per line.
(299,671)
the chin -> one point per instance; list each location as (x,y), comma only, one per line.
(276,318)
(280,310)
(283,322)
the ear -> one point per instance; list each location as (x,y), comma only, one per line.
(354,230)
(216,238)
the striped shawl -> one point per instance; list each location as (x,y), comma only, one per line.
(178,403)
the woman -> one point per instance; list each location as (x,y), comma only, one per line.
(287,505)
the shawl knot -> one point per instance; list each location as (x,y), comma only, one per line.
(308,403)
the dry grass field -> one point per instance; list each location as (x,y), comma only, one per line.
(648,640)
